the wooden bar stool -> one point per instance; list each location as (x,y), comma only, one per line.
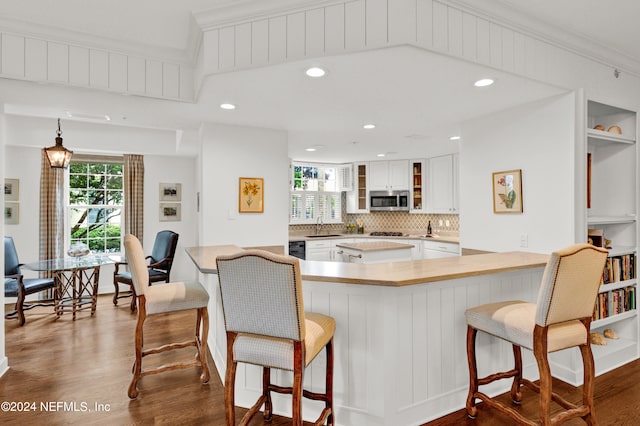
(267,326)
(560,319)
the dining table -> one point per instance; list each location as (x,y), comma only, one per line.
(76,281)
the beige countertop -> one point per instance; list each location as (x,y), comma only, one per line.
(375,246)
(390,274)
(449,238)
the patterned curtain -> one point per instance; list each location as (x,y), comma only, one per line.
(51,214)
(134,195)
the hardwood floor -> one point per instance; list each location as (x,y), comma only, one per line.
(87,365)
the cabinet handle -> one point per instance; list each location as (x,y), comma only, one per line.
(340,252)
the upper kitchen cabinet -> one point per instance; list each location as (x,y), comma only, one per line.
(389,175)
(442,196)
(418,182)
(358,197)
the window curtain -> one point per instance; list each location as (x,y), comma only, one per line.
(51,214)
(134,195)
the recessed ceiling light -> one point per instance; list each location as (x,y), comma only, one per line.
(380,155)
(310,149)
(454,138)
(227,106)
(484,82)
(369,126)
(315,72)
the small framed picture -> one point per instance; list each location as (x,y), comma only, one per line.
(507,191)
(12,190)
(170,192)
(11,213)
(251,195)
(170,212)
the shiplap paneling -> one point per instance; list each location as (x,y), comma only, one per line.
(483,42)
(210,51)
(277,39)
(424,23)
(469,33)
(455,32)
(495,45)
(186,83)
(57,62)
(440,27)
(260,42)
(153,73)
(401,21)
(78,66)
(35,61)
(98,69)
(314,33)
(508,50)
(12,55)
(296,36)
(243,45)
(226,44)
(334,32)
(170,80)
(136,74)
(355,25)
(118,72)
(376,23)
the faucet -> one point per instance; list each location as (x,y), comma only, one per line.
(319,225)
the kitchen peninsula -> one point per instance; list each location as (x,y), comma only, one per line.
(400,339)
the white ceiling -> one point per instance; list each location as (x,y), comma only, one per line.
(416,98)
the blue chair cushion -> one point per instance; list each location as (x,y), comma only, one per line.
(31,285)
(154,275)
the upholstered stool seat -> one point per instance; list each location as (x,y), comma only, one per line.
(560,319)
(170,297)
(267,326)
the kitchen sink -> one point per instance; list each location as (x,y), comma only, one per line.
(323,235)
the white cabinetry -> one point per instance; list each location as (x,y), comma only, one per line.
(358,197)
(437,249)
(443,184)
(389,175)
(418,180)
(612,203)
(324,249)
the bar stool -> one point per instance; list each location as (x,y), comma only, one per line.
(560,319)
(267,326)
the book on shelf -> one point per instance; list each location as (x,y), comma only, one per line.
(615,302)
(619,268)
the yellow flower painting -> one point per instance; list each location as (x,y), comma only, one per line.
(251,196)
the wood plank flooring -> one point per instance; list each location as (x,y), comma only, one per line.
(87,365)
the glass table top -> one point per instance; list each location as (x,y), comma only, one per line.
(71,263)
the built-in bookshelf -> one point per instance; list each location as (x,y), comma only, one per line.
(612,207)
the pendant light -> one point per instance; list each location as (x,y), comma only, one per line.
(59,156)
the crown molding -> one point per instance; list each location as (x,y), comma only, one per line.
(232,12)
(79,38)
(498,12)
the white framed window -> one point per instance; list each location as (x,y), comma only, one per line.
(95,200)
(309,206)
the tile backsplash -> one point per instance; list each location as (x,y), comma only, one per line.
(391,221)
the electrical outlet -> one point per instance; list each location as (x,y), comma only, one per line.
(524,240)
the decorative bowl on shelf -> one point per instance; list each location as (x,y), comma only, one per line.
(78,250)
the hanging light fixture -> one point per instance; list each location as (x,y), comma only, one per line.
(59,156)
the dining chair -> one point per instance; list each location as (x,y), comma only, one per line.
(16,285)
(266,325)
(162,299)
(560,319)
(160,263)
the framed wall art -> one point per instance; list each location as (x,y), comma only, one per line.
(170,192)
(11,213)
(170,212)
(251,195)
(507,191)
(12,190)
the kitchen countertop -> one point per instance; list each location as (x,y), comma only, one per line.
(390,274)
(448,238)
(375,246)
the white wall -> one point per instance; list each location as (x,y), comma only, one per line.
(23,163)
(4,362)
(539,139)
(231,152)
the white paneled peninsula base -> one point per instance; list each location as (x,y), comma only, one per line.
(400,356)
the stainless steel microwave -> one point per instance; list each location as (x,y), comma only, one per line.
(389,201)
